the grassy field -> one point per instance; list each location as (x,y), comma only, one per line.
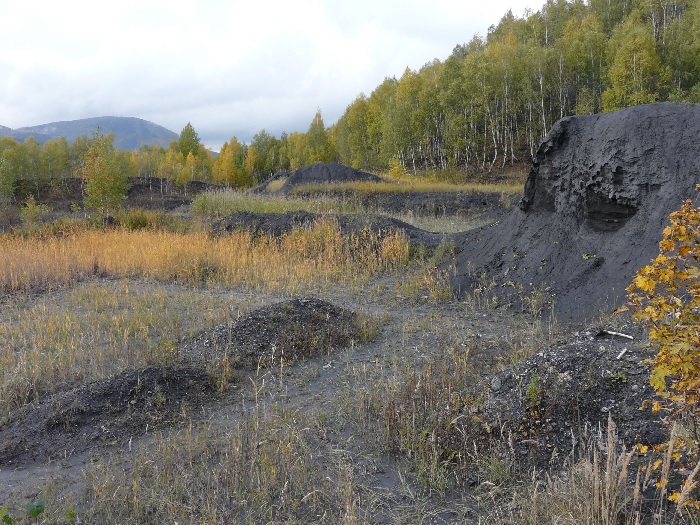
(386,430)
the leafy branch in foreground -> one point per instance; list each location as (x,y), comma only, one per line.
(665,296)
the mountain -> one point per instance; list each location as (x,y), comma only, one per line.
(129,132)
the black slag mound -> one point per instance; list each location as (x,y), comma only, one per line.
(278,224)
(594,207)
(107,412)
(571,390)
(325,173)
(287,331)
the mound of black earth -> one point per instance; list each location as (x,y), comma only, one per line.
(280,332)
(278,224)
(571,390)
(423,203)
(108,412)
(325,173)
(595,203)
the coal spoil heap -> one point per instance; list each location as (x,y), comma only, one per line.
(594,207)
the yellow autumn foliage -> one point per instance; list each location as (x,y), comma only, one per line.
(665,296)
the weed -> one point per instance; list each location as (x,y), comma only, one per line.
(275,185)
(405,184)
(94,331)
(534,394)
(33,214)
(33,509)
(217,204)
(425,417)
(483,295)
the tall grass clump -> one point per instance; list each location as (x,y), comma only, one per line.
(262,471)
(297,260)
(409,184)
(606,484)
(425,415)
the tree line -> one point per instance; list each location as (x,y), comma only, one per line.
(491,102)
(486,106)
(37,167)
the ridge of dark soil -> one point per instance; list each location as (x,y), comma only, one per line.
(548,401)
(149,193)
(278,224)
(111,411)
(324,173)
(103,413)
(288,331)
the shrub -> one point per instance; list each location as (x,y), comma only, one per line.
(665,296)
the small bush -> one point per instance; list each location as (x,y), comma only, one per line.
(33,214)
(665,296)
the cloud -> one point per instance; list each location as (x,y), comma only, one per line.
(228,67)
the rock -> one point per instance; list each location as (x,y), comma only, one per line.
(593,209)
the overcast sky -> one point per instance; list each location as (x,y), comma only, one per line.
(231,68)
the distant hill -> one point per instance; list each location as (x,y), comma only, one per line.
(129,132)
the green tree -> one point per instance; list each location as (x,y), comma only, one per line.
(681,48)
(380,104)
(55,160)
(297,150)
(267,155)
(582,48)
(351,135)
(147,161)
(636,74)
(319,146)
(105,183)
(78,149)
(203,164)
(189,141)
(7,168)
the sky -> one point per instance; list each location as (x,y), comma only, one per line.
(230,68)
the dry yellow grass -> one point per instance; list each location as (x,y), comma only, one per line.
(95,330)
(103,329)
(288,264)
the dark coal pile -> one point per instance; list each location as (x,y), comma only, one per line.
(286,331)
(325,173)
(594,207)
(103,413)
(278,224)
(426,203)
(570,391)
